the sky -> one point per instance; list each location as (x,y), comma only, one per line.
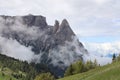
(95,22)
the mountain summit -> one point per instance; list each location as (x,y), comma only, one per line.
(56,46)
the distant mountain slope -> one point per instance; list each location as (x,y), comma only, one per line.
(108,72)
(57,46)
(12,69)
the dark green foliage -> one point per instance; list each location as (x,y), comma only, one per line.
(69,71)
(30,70)
(74,68)
(10,78)
(3,74)
(114,57)
(16,66)
(90,65)
(45,76)
(17,76)
(79,67)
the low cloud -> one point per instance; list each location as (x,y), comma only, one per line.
(14,49)
(68,53)
(11,47)
(103,48)
(102,60)
(102,51)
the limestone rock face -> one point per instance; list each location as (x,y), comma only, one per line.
(64,33)
(56,26)
(38,21)
(56,46)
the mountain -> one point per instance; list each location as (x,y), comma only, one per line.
(57,46)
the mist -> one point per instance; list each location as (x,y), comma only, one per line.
(64,55)
(14,49)
(67,53)
(11,47)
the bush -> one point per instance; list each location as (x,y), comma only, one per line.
(69,71)
(90,65)
(79,67)
(45,76)
(75,68)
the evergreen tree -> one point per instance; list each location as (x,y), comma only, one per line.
(78,67)
(89,65)
(95,63)
(44,76)
(69,71)
(114,57)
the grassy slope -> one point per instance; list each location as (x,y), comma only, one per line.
(108,72)
(6,74)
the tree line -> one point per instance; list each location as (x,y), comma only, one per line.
(31,70)
(80,67)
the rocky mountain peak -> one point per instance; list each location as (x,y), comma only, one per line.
(56,23)
(32,20)
(56,46)
(56,26)
(64,32)
(64,23)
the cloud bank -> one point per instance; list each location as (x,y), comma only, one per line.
(102,51)
(104,48)
(14,49)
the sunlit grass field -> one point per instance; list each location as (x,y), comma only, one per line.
(107,72)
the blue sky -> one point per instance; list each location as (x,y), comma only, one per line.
(95,22)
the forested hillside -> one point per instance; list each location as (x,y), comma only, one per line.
(12,69)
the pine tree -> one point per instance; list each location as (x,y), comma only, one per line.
(69,71)
(78,67)
(95,63)
(114,57)
(45,76)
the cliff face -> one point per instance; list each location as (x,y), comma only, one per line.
(56,46)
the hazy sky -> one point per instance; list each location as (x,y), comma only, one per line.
(96,22)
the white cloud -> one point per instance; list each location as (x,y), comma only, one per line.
(103,48)
(101,1)
(100,51)
(100,60)
(14,49)
(11,47)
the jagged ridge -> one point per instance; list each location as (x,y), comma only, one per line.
(56,45)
